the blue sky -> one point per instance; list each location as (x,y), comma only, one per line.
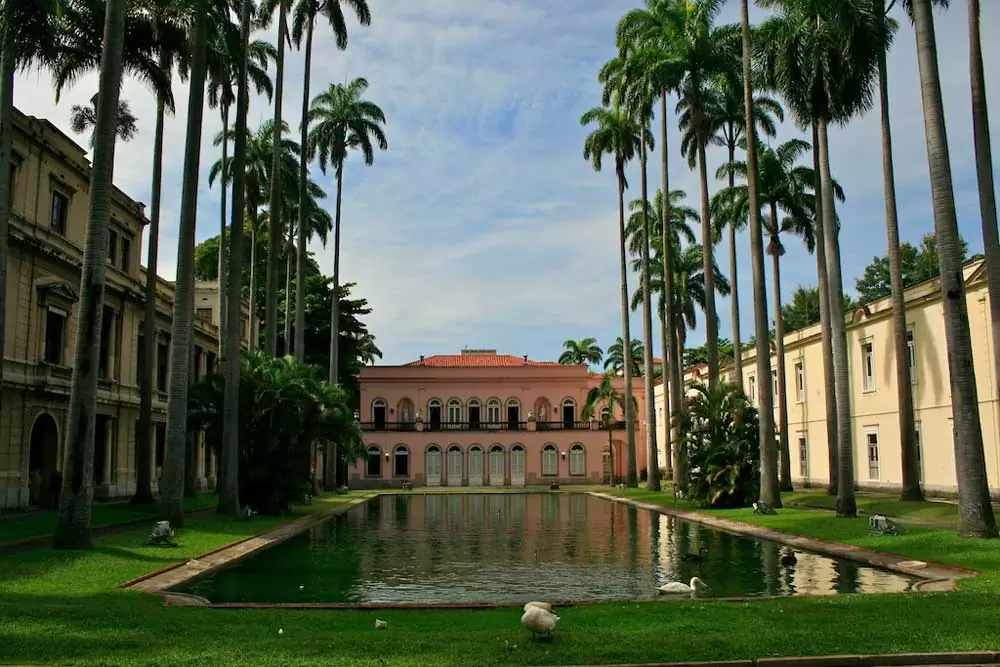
(482,226)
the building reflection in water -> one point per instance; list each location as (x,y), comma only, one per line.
(514,547)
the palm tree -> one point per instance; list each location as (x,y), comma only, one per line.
(975,513)
(84,118)
(822,56)
(769,491)
(583,351)
(318,223)
(728,119)
(367,349)
(604,395)
(617,134)
(73,526)
(303,23)
(341,120)
(225,59)
(984,175)
(265,15)
(209,17)
(707,52)
(615,360)
(229,494)
(650,33)
(639,92)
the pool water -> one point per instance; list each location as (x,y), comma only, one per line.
(463,548)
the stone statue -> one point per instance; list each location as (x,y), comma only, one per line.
(880,524)
(760,507)
(162,535)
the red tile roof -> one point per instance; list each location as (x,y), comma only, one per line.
(477,361)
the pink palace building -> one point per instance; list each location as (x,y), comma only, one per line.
(484,419)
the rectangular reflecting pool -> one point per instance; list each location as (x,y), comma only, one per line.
(475,548)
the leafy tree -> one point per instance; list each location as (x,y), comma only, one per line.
(285,408)
(615,359)
(583,351)
(699,355)
(720,433)
(918,264)
(803,310)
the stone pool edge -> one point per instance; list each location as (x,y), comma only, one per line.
(161,581)
(934,577)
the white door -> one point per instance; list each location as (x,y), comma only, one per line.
(517,464)
(455,467)
(496,467)
(433,467)
(475,467)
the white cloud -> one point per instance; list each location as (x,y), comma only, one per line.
(482,224)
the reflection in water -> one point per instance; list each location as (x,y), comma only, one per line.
(515,547)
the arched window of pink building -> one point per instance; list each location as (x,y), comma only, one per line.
(568,412)
(493,412)
(513,414)
(474,408)
(373,462)
(379,413)
(577,460)
(434,414)
(454,413)
(550,461)
(401,462)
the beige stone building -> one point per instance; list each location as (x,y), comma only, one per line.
(50,206)
(875,419)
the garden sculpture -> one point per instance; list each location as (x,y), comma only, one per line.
(248,513)
(162,535)
(760,507)
(880,524)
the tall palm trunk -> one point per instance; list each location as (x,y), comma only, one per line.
(172,479)
(784,464)
(254,222)
(652,464)
(143,445)
(334,377)
(984,175)
(769,491)
(274,209)
(671,370)
(73,526)
(229,491)
(289,251)
(668,463)
(846,503)
(904,384)
(822,284)
(632,476)
(300,257)
(7,68)
(734,296)
(975,513)
(222,221)
(708,263)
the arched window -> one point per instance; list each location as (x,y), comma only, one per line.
(493,413)
(454,412)
(577,460)
(434,414)
(550,461)
(401,462)
(568,412)
(373,462)
(379,413)
(474,409)
(513,413)
(605,417)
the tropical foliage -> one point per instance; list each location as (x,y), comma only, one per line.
(286,408)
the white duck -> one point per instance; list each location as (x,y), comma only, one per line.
(538,619)
(676,587)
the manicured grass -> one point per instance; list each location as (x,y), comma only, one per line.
(60,608)
(926,510)
(39,523)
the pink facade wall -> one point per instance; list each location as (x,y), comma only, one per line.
(541,449)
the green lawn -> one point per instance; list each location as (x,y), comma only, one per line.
(40,523)
(60,608)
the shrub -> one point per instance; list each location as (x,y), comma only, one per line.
(720,440)
(285,409)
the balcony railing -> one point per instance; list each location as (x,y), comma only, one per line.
(489,427)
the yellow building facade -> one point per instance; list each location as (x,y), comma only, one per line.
(48,223)
(874,415)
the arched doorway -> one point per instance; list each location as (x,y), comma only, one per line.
(496,466)
(455,466)
(475,465)
(43,458)
(518,461)
(434,466)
